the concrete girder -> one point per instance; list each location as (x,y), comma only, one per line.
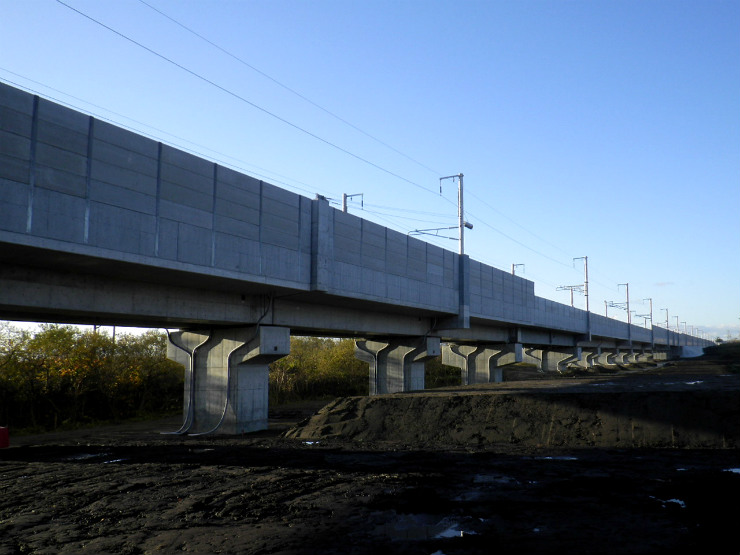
(397,364)
(227,375)
(481,363)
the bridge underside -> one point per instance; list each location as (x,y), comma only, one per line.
(46,286)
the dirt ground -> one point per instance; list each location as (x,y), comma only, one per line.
(327,489)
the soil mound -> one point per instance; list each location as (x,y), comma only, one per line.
(641,408)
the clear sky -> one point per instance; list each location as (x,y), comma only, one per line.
(606,129)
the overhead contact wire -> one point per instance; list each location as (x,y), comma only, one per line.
(246,101)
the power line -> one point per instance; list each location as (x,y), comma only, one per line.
(482,201)
(246,101)
(287,88)
(510,238)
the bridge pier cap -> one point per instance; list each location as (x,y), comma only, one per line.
(227,376)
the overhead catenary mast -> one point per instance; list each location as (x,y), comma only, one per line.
(461,223)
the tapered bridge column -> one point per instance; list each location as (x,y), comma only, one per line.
(558,360)
(481,363)
(226,376)
(397,364)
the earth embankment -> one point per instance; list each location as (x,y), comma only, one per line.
(440,488)
(628,409)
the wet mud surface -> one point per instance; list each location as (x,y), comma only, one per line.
(130,489)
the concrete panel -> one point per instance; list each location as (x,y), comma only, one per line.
(240,196)
(435,274)
(250,258)
(373,257)
(62,138)
(393,287)
(236,227)
(14,99)
(13,205)
(193,244)
(346,223)
(186,196)
(126,179)
(113,195)
(284,264)
(116,228)
(347,249)
(396,242)
(185,187)
(234,253)
(373,234)
(230,180)
(124,140)
(15,146)
(347,277)
(417,250)
(167,239)
(58,216)
(248,213)
(279,237)
(183,167)
(62,116)
(416,269)
(17,123)
(273,193)
(60,181)
(59,159)
(283,220)
(395,264)
(182,213)
(14,169)
(107,154)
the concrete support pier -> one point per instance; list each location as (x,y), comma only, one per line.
(481,363)
(226,376)
(557,360)
(397,364)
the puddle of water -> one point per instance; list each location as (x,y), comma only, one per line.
(733,470)
(494,479)
(694,383)
(665,502)
(85,456)
(425,527)
(563,458)
(114,461)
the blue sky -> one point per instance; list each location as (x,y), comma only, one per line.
(601,129)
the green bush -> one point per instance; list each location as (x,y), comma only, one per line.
(64,376)
(320,367)
(316,368)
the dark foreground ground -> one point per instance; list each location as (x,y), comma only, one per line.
(129,489)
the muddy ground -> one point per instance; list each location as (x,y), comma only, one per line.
(130,489)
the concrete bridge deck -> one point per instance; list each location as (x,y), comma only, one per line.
(101,225)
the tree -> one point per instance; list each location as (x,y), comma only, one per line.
(62,375)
